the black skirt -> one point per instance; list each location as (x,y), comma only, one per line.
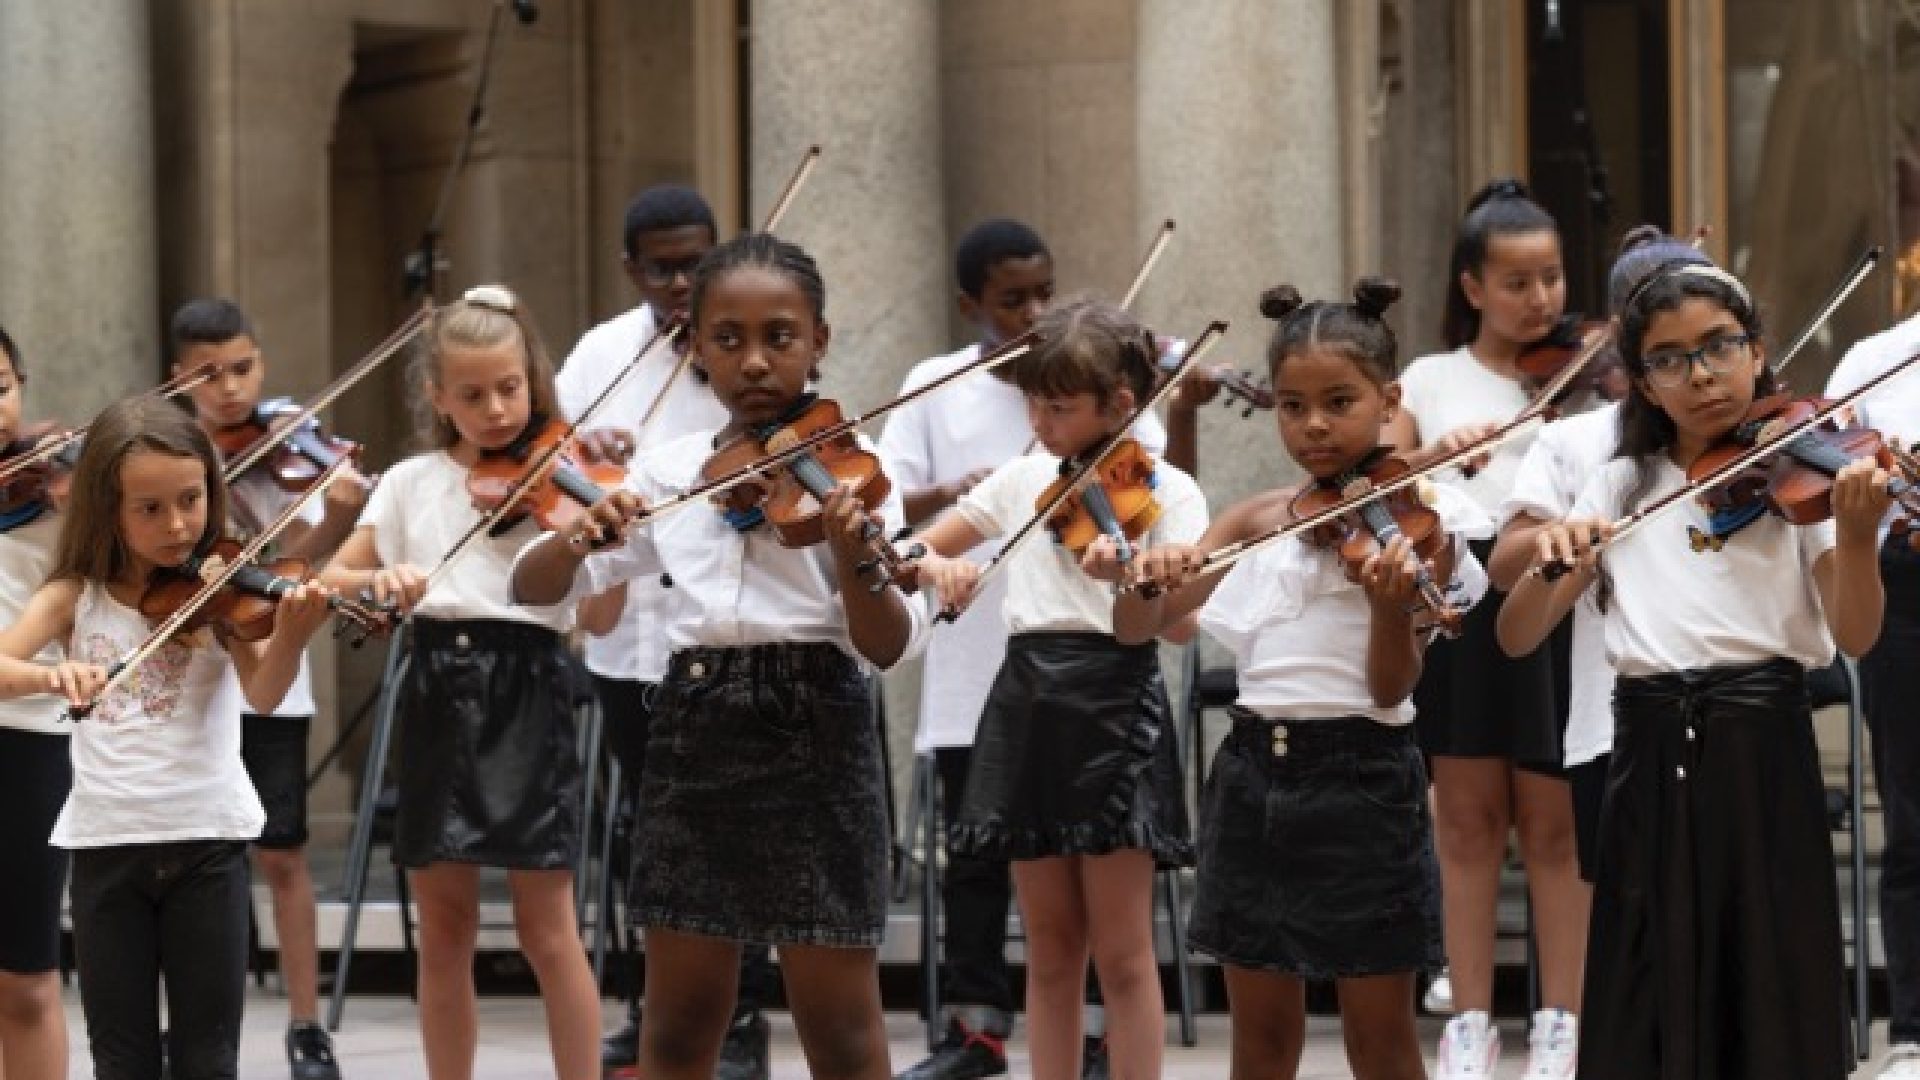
(1316,851)
(1473,700)
(762,807)
(1075,755)
(489,759)
(1715,945)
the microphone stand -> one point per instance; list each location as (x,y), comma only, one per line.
(425,263)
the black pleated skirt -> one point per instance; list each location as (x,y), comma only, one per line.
(1075,755)
(489,765)
(1715,945)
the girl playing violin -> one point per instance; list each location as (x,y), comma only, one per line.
(217,333)
(161,809)
(1715,947)
(1316,843)
(489,773)
(35,774)
(1073,776)
(1492,724)
(764,801)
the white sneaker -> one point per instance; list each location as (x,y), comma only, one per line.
(1902,1062)
(1553,1046)
(1469,1048)
(1439,996)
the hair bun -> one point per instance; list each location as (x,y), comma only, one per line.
(1373,295)
(1640,236)
(1506,187)
(1279,302)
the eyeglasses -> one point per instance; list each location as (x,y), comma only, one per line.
(1672,368)
(660,274)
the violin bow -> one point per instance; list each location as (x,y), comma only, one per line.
(178,384)
(1864,265)
(1085,469)
(1006,352)
(805,169)
(381,353)
(1625,526)
(1539,409)
(118,673)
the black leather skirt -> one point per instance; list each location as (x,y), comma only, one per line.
(1715,945)
(489,765)
(1075,755)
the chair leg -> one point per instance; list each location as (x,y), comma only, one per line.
(606,923)
(930,902)
(406,931)
(589,757)
(1182,963)
(360,849)
(1857,825)
(909,830)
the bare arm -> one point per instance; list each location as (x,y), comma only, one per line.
(877,621)
(1848,576)
(599,614)
(1172,615)
(48,617)
(1513,551)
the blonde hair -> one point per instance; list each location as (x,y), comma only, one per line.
(91,547)
(486,317)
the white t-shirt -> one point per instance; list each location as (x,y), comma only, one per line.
(26,557)
(975,422)
(1566,455)
(158,759)
(1297,628)
(1451,390)
(264,500)
(634,649)
(419,510)
(1046,590)
(1675,609)
(1893,409)
(730,588)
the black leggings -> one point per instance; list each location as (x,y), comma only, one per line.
(176,911)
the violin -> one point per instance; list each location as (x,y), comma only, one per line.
(1796,482)
(302,455)
(559,499)
(1570,339)
(25,493)
(1366,529)
(792,497)
(1116,502)
(1240,387)
(244,607)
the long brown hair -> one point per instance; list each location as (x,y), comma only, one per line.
(91,547)
(485,318)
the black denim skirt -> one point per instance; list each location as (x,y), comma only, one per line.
(489,758)
(762,808)
(1715,951)
(1075,756)
(1316,851)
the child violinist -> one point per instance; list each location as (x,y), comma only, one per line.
(1715,946)
(489,773)
(161,809)
(1073,776)
(35,773)
(765,808)
(1316,850)
(217,333)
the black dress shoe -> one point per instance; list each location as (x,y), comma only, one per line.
(744,1055)
(1093,1061)
(310,1053)
(964,1054)
(620,1049)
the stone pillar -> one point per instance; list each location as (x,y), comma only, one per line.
(1253,178)
(861,78)
(77,268)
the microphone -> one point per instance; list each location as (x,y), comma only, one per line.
(527,11)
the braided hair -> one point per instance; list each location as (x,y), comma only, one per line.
(768,252)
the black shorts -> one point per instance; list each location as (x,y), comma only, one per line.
(275,751)
(1589,782)
(35,773)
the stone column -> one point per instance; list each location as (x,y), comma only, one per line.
(77,268)
(861,78)
(1239,142)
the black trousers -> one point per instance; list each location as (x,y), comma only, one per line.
(628,705)
(176,912)
(976,895)
(1890,695)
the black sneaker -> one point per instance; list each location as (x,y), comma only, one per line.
(310,1053)
(963,1055)
(1093,1061)
(744,1055)
(621,1049)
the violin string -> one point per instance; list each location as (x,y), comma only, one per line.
(381,353)
(171,625)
